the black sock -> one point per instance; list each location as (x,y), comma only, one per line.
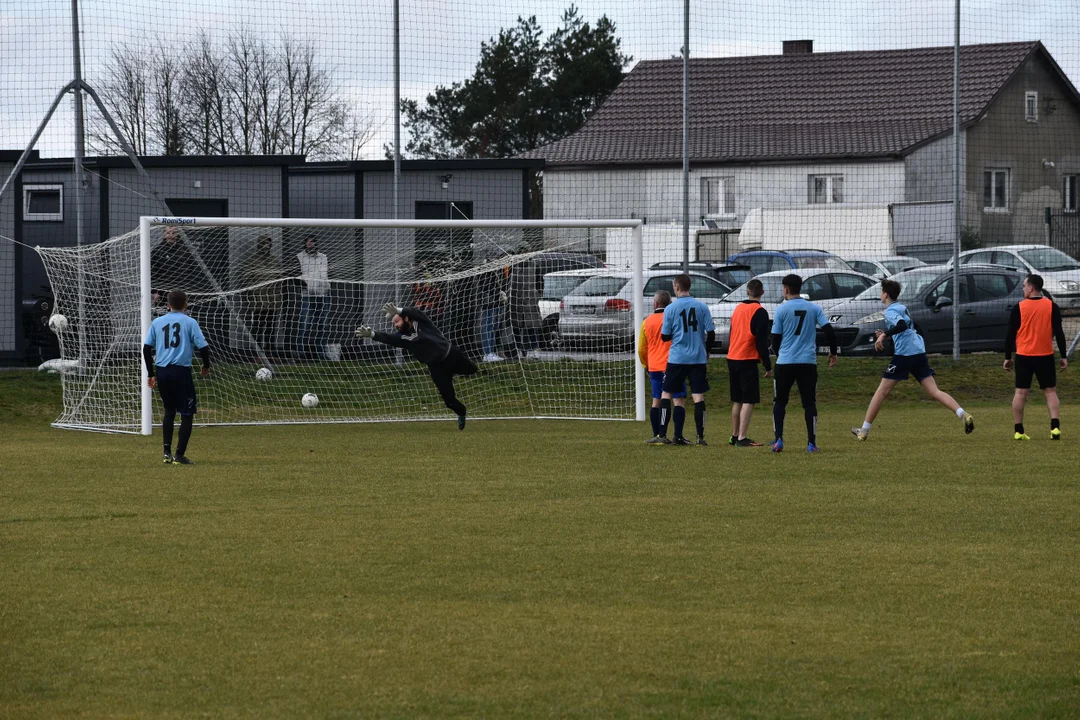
(185,434)
(699,418)
(1055,423)
(1019,427)
(654,417)
(811,424)
(778,412)
(167,429)
(680,419)
(665,415)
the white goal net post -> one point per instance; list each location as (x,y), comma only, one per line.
(279,300)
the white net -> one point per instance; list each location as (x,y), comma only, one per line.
(279,307)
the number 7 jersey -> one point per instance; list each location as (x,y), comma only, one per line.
(797,321)
(687,321)
(174,337)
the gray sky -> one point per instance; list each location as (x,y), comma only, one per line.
(441,39)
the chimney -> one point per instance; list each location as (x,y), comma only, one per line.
(798,47)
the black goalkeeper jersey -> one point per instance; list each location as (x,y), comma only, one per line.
(424,341)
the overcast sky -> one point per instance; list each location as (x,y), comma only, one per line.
(441,39)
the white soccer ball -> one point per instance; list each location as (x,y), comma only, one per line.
(58,323)
(310,400)
(264,374)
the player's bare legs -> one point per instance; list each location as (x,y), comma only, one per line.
(884,388)
(746,413)
(1019,400)
(1052,402)
(931,388)
(736,419)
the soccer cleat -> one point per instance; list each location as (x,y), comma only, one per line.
(777,445)
(182,460)
(681,441)
(167,459)
(811,448)
(747,442)
(969,423)
(460,422)
(859,433)
(732,440)
(701,441)
(658,440)
(1055,434)
(1020,436)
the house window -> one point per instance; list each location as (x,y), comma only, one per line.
(826,189)
(1070,192)
(996,190)
(43,203)
(718,197)
(1031,106)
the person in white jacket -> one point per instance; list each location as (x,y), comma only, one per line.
(314,271)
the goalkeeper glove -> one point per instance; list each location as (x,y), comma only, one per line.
(502,297)
(364,331)
(390,310)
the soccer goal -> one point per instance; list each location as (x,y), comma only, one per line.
(279,301)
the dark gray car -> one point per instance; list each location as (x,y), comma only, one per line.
(987,295)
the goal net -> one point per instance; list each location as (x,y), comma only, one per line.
(279,302)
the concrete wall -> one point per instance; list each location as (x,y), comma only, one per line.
(928,173)
(1004,139)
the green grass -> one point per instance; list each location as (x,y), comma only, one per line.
(546,568)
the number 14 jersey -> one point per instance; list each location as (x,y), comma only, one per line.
(174,338)
(797,321)
(687,321)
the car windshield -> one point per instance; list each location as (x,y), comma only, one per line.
(827,262)
(600,286)
(1049,259)
(911,282)
(556,287)
(898,264)
(773,291)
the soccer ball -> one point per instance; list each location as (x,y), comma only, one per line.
(263,374)
(310,400)
(58,323)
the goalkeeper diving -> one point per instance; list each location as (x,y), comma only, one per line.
(415,333)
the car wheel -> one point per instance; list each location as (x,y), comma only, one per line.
(553,339)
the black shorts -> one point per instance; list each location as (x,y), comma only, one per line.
(744,382)
(177,389)
(903,365)
(676,376)
(1040,366)
(804,375)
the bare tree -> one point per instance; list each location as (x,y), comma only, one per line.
(123,87)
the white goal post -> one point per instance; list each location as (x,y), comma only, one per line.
(278,330)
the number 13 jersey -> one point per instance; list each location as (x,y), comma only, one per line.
(175,337)
(687,321)
(797,321)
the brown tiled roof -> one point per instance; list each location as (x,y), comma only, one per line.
(776,107)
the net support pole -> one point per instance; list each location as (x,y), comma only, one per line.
(686,139)
(80,177)
(146,404)
(639,317)
(957,220)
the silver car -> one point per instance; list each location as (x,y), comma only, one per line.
(1060,273)
(883,267)
(822,287)
(598,314)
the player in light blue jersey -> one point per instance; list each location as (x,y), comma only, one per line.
(688,326)
(167,350)
(909,358)
(794,334)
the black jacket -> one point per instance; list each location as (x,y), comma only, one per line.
(424,341)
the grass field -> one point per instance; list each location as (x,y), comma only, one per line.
(547,568)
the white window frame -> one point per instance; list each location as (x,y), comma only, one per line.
(724,185)
(994,172)
(1031,106)
(829,189)
(1071,193)
(28,190)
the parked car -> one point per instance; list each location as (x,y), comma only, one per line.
(598,314)
(558,285)
(822,287)
(1060,273)
(730,275)
(883,267)
(763,261)
(987,295)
